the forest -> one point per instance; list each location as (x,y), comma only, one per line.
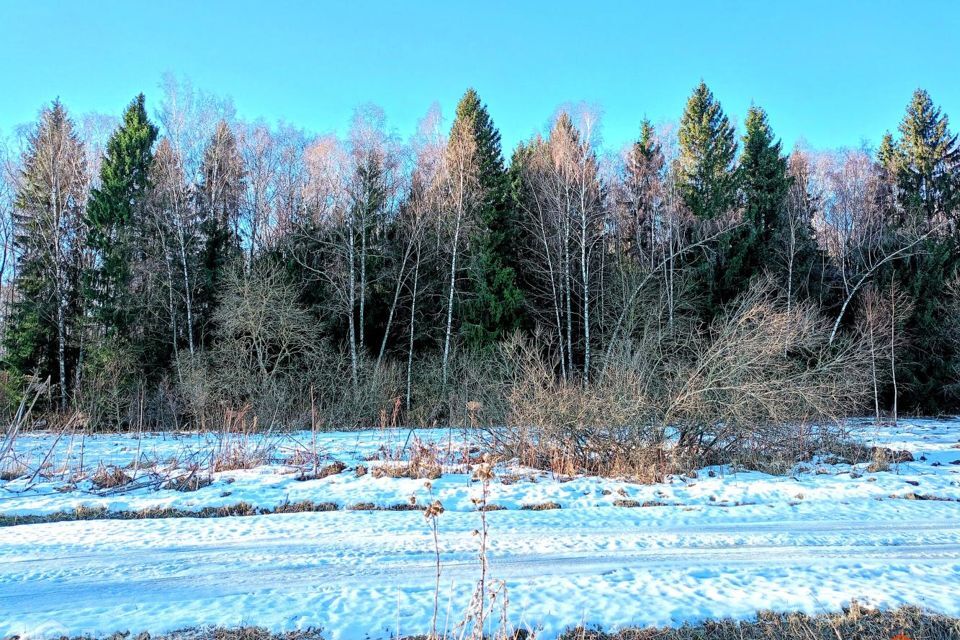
(180,268)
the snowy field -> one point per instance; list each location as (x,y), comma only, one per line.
(722,543)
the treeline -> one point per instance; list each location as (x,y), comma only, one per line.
(197,269)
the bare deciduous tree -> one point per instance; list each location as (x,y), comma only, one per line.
(854,228)
(458,186)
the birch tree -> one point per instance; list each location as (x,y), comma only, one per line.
(174,238)
(563,202)
(459,195)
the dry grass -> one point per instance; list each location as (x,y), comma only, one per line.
(110,477)
(306,506)
(541,506)
(102,513)
(192,480)
(234,456)
(855,623)
(363,506)
(332,469)
(400,506)
(219,633)
(13,469)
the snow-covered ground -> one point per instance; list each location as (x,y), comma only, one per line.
(722,543)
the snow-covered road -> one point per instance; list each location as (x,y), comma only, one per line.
(372,573)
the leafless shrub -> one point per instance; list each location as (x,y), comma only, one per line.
(475,393)
(567,426)
(745,389)
(266,346)
(111,393)
(373,402)
(762,370)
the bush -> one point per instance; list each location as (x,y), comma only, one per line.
(745,388)
(110,395)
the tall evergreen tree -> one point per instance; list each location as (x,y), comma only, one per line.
(495,305)
(706,173)
(48,238)
(927,160)
(923,167)
(706,177)
(644,189)
(764,185)
(111,217)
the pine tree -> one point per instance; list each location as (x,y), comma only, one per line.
(706,173)
(220,193)
(494,308)
(48,238)
(112,214)
(764,185)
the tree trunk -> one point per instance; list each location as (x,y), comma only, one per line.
(453,284)
(352,305)
(585,277)
(188,296)
(893,349)
(413,316)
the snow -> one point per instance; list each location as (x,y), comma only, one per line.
(722,544)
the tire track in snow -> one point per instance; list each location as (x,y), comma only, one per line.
(173,567)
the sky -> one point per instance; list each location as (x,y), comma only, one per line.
(830,73)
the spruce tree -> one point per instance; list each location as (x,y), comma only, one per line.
(112,215)
(764,184)
(707,177)
(48,238)
(644,186)
(923,167)
(495,304)
(927,160)
(706,173)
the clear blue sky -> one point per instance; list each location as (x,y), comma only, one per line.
(835,73)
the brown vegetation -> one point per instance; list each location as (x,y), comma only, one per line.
(854,623)
(744,390)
